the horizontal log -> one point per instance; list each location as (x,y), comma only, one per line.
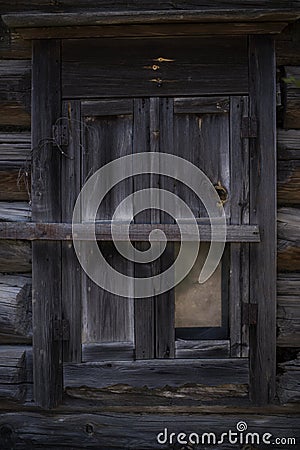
(288,383)
(157,373)
(288,284)
(288,179)
(15,256)
(15,211)
(291,95)
(161,30)
(12,46)
(202,349)
(287,45)
(121,431)
(109,351)
(13,372)
(138,232)
(15,92)
(15,309)
(15,150)
(15,185)
(288,222)
(288,321)
(84,17)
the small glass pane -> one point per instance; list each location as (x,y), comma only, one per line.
(199,305)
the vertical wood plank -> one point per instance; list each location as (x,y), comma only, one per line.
(165,303)
(71,270)
(144,308)
(46,206)
(262,71)
(239,212)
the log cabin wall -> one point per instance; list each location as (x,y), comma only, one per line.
(80,425)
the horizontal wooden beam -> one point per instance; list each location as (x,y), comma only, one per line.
(138,232)
(152,30)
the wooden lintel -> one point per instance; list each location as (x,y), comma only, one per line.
(138,232)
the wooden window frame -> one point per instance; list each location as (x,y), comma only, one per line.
(49,256)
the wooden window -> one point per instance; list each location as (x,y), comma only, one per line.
(219,119)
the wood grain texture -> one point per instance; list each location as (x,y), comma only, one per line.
(157,373)
(199,66)
(288,220)
(15,211)
(131,431)
(263,185)
(291,92)
(288,321)
(138,232)
(288,381)
(12,46)
(15,150)
(15,256)
(13,372)
(46,205)
(15,309)
(201,349)
(288,171)
(15,185)
(15,76)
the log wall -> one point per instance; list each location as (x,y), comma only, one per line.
(77,425)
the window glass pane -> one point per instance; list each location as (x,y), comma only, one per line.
(199,305)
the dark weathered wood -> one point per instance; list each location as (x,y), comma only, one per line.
(288,284)
(14,185)
(144,308)
(15,309)
(12,372)
(288,383)
(107,317)
(15,256)
(138,232)
(263,211)
(152,13)
(288,173)
(239,214)
(146,30)
(291,92)
(71,270)
(12,46)
(195,67)
(201,105)
(133,431)
(158,373)
(287,46)
(202,349)
(15,150)
(15,92)
(288,221)
(106,107)
(108,351)
(46,206)
(15,211)
(288,321)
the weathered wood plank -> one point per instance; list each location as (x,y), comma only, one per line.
(13,372)
(14,185)
(157,373)
(201,105)
(202,349)
(108,351)
(288,173)
(15,150)
(288,221)
(15,92)
(288,321)
(146,30)
(12,46)
(71,270)
(15,211)
(15,309)
(15,256)
(291,92)
(46,205)
(288,382)
(138,232)
(288,284)
(262,73)
(87,63)
(133,431)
